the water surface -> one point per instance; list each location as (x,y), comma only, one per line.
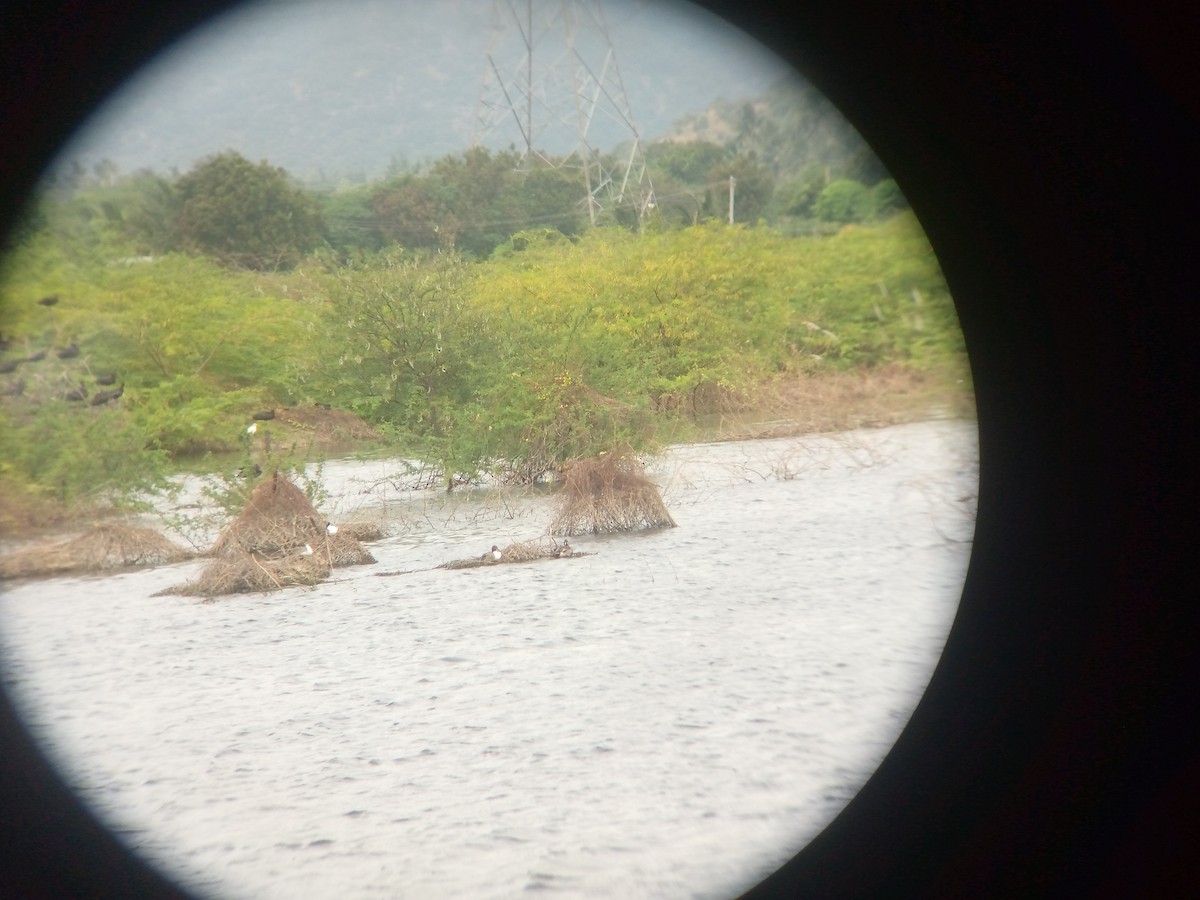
(673,716)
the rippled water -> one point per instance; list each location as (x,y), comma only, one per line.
(673,716)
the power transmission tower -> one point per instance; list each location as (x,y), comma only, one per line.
(551,82)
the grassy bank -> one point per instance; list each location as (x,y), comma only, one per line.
(552,349)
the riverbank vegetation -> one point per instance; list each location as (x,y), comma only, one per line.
(138,339)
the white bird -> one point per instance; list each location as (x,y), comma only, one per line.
(330,529)
(307,551)
(253,428)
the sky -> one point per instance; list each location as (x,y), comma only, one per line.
(330,87)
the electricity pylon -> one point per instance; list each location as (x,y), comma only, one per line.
(551,80)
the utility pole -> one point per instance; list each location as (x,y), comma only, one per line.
(554,96)
(732,186)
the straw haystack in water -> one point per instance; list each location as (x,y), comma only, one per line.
(244,573)
(363,531)
(524,551)
(102,547)
(609,493)
(279,540)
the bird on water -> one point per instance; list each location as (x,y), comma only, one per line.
(494,554)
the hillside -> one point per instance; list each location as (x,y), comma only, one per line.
(341,91)
(790,128)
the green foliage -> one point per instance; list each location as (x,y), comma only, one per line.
(795,196)
(409,212)
(246,215)
(887,198)
(543,197)
(71,454)
(349,221)
(687,162)
(407,344)
(194,347)
(843,201)
(751,192)
(474,202)
(561,343)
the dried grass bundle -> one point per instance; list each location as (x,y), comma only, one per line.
(243,573)
(609,493)
(279,540)
(278,519)
(363,531)
(102,547)
(342,550)
(523,551)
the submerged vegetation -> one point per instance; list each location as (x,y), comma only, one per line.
(609,493)
(140,335)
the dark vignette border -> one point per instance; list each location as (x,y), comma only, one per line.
(1050,153)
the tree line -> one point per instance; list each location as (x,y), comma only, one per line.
(469,310)
(255,216)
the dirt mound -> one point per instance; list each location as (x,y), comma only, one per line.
(103,547)
(609,493)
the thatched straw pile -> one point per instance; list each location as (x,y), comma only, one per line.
(102,547)
(362,531)
(268,546)
(243,573)
(525,551)
(609,493)
(278,519)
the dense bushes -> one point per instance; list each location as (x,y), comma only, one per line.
(244,214)
(556,347)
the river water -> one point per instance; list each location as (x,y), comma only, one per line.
(673,716)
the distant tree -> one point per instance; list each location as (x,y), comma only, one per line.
(747,127)
(411,211)
(843,200)
(475,201)
(348,220)
(677,203)
(688,162)
(863,165)
(145,209)
(408,341)
(246,215)
(471,185)
(751,193)
(796,196)
(542,197)
(887,198)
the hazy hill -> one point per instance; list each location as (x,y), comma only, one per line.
(331,90)
(792,127)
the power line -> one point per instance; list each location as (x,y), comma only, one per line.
(548,75)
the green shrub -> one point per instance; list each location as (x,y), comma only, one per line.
(843,201)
